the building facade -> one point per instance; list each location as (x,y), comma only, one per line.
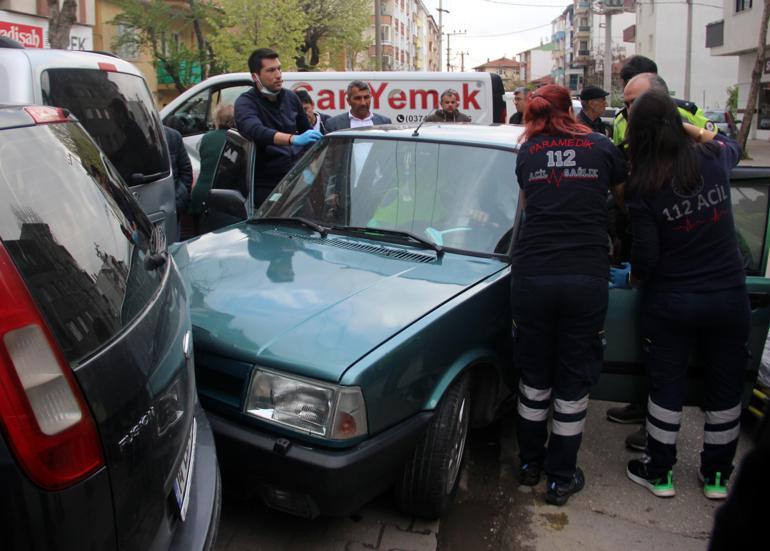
(409,37)
(536,62)
(734,37)
(510,70)
(26,21)
(661,34)
(579,38)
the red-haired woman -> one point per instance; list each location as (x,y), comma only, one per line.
(559,284)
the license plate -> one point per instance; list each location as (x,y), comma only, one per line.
(184,475)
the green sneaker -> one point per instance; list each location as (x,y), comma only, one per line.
(713,487)
(662,486)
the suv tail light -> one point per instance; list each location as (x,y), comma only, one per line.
(42,411)
(42,114)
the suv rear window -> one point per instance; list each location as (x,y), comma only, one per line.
(116,109)
(75,233)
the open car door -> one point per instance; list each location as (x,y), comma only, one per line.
(229,200)
(623,375)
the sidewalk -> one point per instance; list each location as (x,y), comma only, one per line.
(759,151)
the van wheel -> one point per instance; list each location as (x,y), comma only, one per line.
(429,479)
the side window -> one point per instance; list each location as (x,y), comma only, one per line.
(191,117)
(231,169)
(750,203)
(223,95)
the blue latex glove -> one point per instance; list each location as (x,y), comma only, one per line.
(306,138)
(619,276)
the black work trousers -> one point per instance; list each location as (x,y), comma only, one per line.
(558,349)
(717,325)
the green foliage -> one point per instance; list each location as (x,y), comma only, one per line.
(732,99)
(333,26)
(252,24)
(152,24)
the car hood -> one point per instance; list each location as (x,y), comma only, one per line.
(288,298)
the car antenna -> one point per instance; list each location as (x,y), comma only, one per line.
(416,133)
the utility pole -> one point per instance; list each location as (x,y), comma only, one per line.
(377,35)
(688,52)
(448,50)
(608,8)
(462,61)
(441,12)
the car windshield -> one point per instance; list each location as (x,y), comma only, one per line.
(715,116)
(460,197)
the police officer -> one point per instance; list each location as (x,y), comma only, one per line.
(685,255)
(559,284)
(636,65)
(594,102)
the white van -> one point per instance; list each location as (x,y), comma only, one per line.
(405,97)
(110,98)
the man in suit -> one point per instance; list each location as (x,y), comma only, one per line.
(360,100)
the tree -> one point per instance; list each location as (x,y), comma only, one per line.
(252,24)
(152,24)
(60,22)
(756,75)
(334,25)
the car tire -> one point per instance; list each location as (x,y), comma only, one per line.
(429,479)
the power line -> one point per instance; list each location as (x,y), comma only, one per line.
(526,5)
(508,33)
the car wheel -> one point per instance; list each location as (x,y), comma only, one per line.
(429,479)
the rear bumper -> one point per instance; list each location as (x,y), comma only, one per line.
(199,530)
(309,481)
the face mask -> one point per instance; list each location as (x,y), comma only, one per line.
(264,90)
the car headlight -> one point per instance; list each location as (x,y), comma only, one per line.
(321,409)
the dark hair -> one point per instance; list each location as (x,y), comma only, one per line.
(548,113)
(256,57)
(303,96)
(360,84)
(636,65)
(659,149)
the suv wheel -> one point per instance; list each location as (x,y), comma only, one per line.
(429,479)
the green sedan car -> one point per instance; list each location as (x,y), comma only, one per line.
(350,331)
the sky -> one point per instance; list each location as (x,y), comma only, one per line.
(495,28)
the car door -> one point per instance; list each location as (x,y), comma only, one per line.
(623,377)
(195,117)
(229,200)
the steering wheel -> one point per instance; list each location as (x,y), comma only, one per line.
(438,235)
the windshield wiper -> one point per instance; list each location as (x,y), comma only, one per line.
(396,233)
(323,230)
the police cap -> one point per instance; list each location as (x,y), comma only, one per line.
(593,92)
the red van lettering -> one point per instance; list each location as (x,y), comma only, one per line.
(325,101)
(397,99)
(423,95)
(343,95)
(469,98)
(376,93)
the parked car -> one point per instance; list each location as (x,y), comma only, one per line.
(110,98)
(723,120)
(350,331)
(103,444)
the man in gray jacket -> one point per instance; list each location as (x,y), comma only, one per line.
(448,112)
(360,100)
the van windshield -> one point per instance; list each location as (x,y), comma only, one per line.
(117,110)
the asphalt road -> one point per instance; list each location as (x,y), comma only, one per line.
(493,512)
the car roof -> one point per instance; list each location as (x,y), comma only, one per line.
(44,58)
(12,116)
(496,135)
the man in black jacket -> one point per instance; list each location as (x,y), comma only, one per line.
(182,170)
(594,102)
(317,120)
(449,111)
(520,96)
(273,118)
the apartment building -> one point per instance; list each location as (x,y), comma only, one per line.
(703,78)
(734,37)
(510,70)
(536,62)
(409,37)
(579,38)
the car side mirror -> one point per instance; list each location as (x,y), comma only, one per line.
(227,201)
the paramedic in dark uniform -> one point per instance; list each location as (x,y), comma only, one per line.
(559,284)
(594,102)
(685,256)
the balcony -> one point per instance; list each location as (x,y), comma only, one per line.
(557,36)
(582,6)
